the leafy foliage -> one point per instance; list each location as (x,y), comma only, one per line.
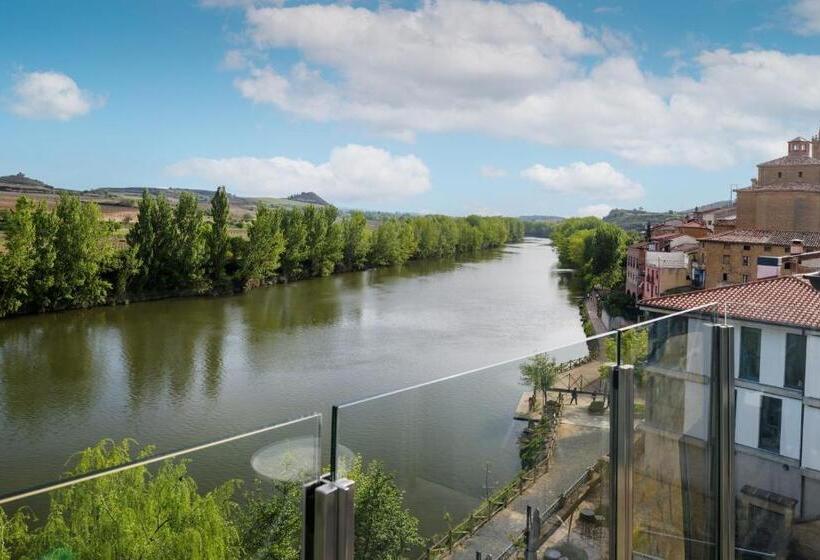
(63,258)
(540,372)
(385,529)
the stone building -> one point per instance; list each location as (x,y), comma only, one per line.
(781,206)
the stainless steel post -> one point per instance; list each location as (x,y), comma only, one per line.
(621,425)
(722,401)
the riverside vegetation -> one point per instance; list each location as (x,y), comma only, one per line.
(161,514)
(68,257)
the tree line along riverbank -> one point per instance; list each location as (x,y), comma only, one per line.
(69,256)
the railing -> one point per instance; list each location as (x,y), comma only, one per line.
(449,484)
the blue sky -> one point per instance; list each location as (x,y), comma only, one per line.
(452,106)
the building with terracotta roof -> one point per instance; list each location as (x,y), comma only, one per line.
(779,208)
(777,398)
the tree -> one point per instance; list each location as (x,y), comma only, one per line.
(387,244)
(218,237)
(296,250)
(19,258)
(82,250)
(356,240)
(270,527)
(385,529)
(189,242)
(266,242)
(141,238)
(324,241)
(41,287)
(540,372)
(138,513)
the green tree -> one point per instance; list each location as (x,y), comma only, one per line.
(387,244)
(41,287)
(141,238)
(218,237)
(324,240)
(138,513)
(19,258)
(540,372)
(385,528)
(356,240)
(296,249)
(266,243)
(189,242)
(270,527)
(82,251)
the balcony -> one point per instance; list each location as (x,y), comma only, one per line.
(623,445)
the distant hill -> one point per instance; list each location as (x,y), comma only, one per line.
(537,218)
(635,220)
(21,183)
(309,198)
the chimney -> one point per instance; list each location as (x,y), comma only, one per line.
(797,247)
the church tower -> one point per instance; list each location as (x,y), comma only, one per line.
(815,145)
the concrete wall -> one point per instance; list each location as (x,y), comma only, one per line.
(812,388)
(787,174)
(768,474)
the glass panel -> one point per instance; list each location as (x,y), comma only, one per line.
(237,497)
(671,484)
(472,451)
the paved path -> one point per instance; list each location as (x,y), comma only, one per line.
(582,439)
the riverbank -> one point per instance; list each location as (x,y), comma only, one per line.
(69,257)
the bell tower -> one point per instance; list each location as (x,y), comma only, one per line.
(815,145)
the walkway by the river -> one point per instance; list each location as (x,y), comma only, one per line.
(582,439)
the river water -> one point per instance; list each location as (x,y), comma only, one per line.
(176,372)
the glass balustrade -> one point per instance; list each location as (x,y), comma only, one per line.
(239,496)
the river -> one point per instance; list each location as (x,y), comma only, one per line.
(176,372)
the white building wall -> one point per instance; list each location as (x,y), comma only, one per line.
(698,347)
(790,428)
(772,356)
(747,420)
(811,438)
(812,388)
(696,410)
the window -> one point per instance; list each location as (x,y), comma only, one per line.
(767,248)
(745,261)
(779,174)
(725,277)
(799,173)
(744,278)
(725,259)
(749,354)
(795,373)
(747,247)
(770,415)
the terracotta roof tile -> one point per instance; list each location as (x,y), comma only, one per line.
(790,160)
(763,237)
(792,186)
(786,300)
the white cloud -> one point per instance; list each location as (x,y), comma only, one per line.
(51,95)
(525,70)
(352,174)
(492,172)
(597,210)
(234,60)
(806,15)
(594,180)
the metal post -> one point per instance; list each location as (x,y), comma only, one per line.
(329,523)
(621,425)
(722,433)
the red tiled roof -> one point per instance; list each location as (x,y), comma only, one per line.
(790,160)
(786,300)
(763,237)
(792,186)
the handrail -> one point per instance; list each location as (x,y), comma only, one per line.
(74,480)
